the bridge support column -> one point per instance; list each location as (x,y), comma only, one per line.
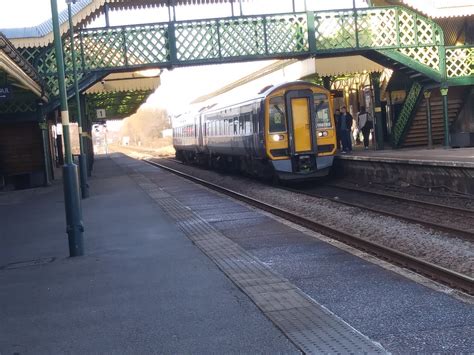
(75,227)
(379,138)
(444,95)
(59,141)
(427,95)
(327,82)
(82,155)
(87,135)
(45,137)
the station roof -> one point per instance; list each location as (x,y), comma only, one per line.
(129,81)
(84,11)
(17,69)
(435,8)
(346,65)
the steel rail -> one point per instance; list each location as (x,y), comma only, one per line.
(435,272)
(457,232)
(406,199)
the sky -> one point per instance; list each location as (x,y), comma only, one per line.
(181,85)
(26,13)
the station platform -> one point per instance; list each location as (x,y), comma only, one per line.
(430,168)
(171,267)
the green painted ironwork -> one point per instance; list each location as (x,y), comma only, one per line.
(460,65)
(23,101)
(406,114)
(16,106)
(116,104)
(395,31)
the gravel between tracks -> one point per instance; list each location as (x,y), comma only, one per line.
(413,239)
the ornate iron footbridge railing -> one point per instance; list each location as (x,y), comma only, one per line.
(406,114)
(396,32)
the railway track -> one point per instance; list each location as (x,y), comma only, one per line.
(458,222)
(430,270)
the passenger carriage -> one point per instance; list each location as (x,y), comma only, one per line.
(285,131)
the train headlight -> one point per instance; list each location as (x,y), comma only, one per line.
(322,133)
(278,137)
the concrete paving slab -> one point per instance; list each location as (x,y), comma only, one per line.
(142,287)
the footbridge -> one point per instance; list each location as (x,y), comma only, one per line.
(393,36)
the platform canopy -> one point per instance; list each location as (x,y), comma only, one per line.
(121,94)
(144,80)
(294,69)
(20,85)
(15,70)
(84,12)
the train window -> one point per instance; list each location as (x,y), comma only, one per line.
(247,124)
(321,109)
(242,125)
(277,115)
(236,126)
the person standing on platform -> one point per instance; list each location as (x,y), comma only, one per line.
(365,124)
(337,120)
(345,130)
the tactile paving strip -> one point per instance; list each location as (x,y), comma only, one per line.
(309,325)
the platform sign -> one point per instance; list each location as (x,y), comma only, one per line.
(5,92)
(100,113)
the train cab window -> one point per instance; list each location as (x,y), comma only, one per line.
(277,115)
(321,109)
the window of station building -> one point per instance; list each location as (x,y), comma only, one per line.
(277,115)
(321,109)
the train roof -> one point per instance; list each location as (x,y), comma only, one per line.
(242,95)
(236,97)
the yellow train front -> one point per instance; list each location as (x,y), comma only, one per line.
(300,134)
(285,132)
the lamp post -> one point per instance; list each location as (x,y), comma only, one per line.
(72,198)
(82,155)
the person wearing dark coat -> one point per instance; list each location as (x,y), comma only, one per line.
(345,126)
(337,119)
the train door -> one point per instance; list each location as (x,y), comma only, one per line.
(302,128)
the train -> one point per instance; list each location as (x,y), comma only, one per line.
(284,132)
